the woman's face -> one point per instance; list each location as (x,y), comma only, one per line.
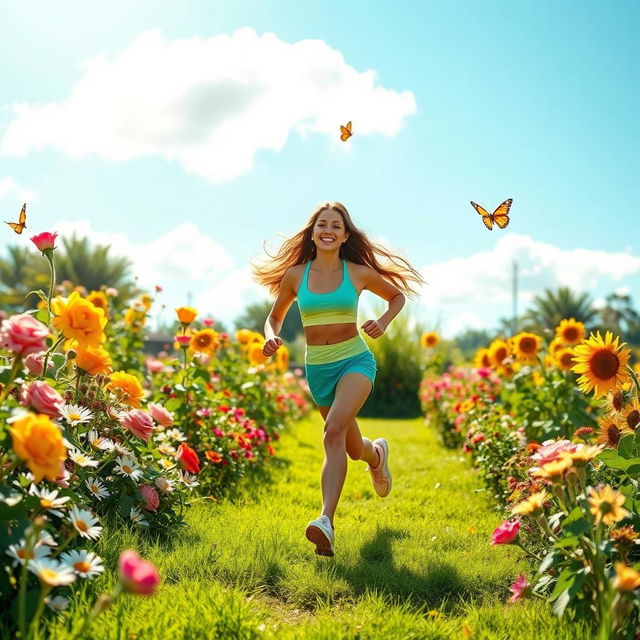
(329,231)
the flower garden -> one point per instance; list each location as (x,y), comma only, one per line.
(551,428)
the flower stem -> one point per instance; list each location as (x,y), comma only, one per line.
(46,357)
(15,367)
(49,255)
(35,623)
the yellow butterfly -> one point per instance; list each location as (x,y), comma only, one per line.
(500,216)
(19,226)
(345,132)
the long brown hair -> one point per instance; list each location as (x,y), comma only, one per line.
(300,248)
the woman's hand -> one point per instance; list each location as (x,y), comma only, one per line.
(373,328)
(271,346)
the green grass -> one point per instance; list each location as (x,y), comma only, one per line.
(417,564)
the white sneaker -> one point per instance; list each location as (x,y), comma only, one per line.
(380,475)
(320,532)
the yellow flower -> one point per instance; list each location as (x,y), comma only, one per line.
(126,387)
(583,454)
(614,400)
(134,320)
(255,353)
(79,319)
(532,506)
(186,315)
(498,351)
(627,579)
(525,346)
(429,339)
(39,443)
(467,405)
(570,331)
(538,378)
(611,431)
(482,359)
(146,300)
(631,414)
(555,345)
(99,299)
(601,363)
(244,336)
(606,505)
(205,340)
(553,470)
(93,360)
(282,358)
(565,358)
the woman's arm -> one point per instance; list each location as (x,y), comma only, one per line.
(375,283)
(273,323)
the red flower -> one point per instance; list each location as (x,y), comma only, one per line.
(213,456)
(188,458)
(45,240)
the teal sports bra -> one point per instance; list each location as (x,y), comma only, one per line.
(334,307)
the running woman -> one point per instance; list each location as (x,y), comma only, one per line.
(326,266)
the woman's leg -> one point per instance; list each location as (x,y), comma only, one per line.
(358,447)
(351,392)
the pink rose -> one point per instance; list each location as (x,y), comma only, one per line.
(506,533)
(35,363)
(160,414)
(150,496)
(137,575)
(42,397)
(551,451)
(154,365)
(519,588)
(45,240)
(23,334)
(138,422)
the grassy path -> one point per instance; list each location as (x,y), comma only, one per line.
(416,564)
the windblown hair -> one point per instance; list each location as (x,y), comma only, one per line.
(300,248)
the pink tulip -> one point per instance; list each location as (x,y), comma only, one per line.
(138,422)
(519,588)
(23,334)
(42,397)
(137,575)
(45,240)
(506,533)
(150,496)
(160,414)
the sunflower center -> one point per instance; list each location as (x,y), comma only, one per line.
(604,364)
(616,401)
(633,418)
(605,507)
(203,341)
(82,566)
(81,525)
(431,340)
(501,354)
(566,359)
(613,434)
(571,334)
(528,345)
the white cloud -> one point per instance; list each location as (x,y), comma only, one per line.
(485,277)
(9,188)
(209,103)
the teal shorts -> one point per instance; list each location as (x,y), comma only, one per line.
(323,377)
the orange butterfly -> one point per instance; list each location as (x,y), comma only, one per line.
(19,226)
(345,132)
(500,216)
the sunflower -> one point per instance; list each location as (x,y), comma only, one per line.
(564,358)
(555,345)
(255,353)
(205,340)
(146,300)
(606,504)
(526,346)
(570,331)
(99,299)
(631,415)
(482,359)
(601,363)
(610,432)
(554,470)
(615,401)
(532,506)
(243,336)
(498,351)
(282,358)
(429,339)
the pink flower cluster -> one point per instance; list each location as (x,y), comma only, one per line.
(22,334)
(43,398)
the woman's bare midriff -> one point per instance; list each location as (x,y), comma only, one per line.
(330,333)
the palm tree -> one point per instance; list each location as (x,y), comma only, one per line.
(619,316)
(550,308)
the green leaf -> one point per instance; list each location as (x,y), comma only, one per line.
(575,523)
(625,446)
(566,541)
(614,461)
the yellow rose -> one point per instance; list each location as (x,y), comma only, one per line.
(186,315)
(79,319)
(93,360)
(127,387)
(39,443)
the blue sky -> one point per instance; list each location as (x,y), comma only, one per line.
(537,101)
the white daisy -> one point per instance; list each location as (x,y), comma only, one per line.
(137,517)
(49,500)
(97,488)
(99,442)
(20,554)
(57,603)
(12,499)
(75,414)
(166,464)
(188,479)
(44,537)
(121,449)
(176,434)
(165,485)
(85,523)
(167,449)
(81,458)
(52,572)
(127,467)
(85,563)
